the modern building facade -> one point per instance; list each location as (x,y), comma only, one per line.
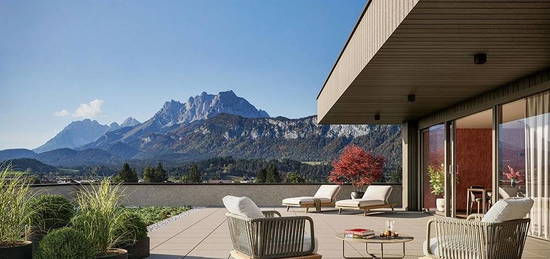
(469,81)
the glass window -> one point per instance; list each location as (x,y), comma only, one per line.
(433,169)
(524,157)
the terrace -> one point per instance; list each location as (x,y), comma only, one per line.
(203,232)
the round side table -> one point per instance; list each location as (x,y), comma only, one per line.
(402,239)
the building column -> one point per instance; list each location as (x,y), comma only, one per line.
(410,153)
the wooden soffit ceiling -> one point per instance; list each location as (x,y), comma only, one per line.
(430,54)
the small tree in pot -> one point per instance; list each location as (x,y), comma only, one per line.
(358,167)
(16,213)
(52,212)
(437,184)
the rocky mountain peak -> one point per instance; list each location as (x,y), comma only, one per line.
(130,122)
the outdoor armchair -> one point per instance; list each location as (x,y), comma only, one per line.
(267,235)
(501,233)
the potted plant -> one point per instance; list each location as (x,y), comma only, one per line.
(513,176)
(98,218)
(358,167)
(65,243)
(51,212)
(15,215)
(437,184)
(133,232)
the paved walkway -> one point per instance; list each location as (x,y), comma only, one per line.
(203,233)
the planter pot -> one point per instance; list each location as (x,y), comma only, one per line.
(357,195)
(115,253)
(139,250)
(21,250)
(440,204)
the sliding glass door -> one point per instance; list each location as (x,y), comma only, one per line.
(524,135)
(473,163)
(433,169)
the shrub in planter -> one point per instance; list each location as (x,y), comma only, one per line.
(99,218)
(52,212)
(65,243)
(15,214)
(132,231)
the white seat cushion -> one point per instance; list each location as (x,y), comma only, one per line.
(451,243)
(377,192)
(508,209)
(359,203)
(327,192)
(242,206)
(303,201)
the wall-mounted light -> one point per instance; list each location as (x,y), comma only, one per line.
(377,117)
(480,58)
(411,98)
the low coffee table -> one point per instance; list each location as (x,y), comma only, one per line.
(402,239)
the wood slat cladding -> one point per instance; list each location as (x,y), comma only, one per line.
(378,22)
(430,54)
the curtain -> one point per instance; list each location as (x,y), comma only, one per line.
(537,137)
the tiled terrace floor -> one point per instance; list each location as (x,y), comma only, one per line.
(203,233)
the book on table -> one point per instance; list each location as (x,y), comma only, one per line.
(358,233)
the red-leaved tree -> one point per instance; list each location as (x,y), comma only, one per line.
(356,166)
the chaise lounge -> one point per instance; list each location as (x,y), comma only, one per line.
(375,197)
(324,197)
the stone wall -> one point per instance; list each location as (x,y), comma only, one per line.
(208,195)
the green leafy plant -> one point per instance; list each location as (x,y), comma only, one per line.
(99,215)
(437,179)
(16,210)
(131,228)
(65,243)
(52,211)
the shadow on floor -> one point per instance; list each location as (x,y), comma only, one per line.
(378,214)
(163,256)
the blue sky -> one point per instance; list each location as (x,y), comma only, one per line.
(66,60)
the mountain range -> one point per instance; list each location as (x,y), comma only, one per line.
(79,133)
(207,126)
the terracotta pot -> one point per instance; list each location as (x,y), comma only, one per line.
(115,253)
(21,250)
(139,250)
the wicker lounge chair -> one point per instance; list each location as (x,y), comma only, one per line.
(324,197)
(500,233)
(265,234)
(376,196)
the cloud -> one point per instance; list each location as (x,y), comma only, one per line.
(85,110)
(61,113)
(89,110)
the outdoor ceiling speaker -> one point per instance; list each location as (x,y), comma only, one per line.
(377,117)
(480,58)
(411,98)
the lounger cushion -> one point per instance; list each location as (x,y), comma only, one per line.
(303,201)
(508,209)
(359,203)
(377,192)
(327,192)
(242,206)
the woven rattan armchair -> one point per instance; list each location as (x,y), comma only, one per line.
(273,236)
(471,238)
